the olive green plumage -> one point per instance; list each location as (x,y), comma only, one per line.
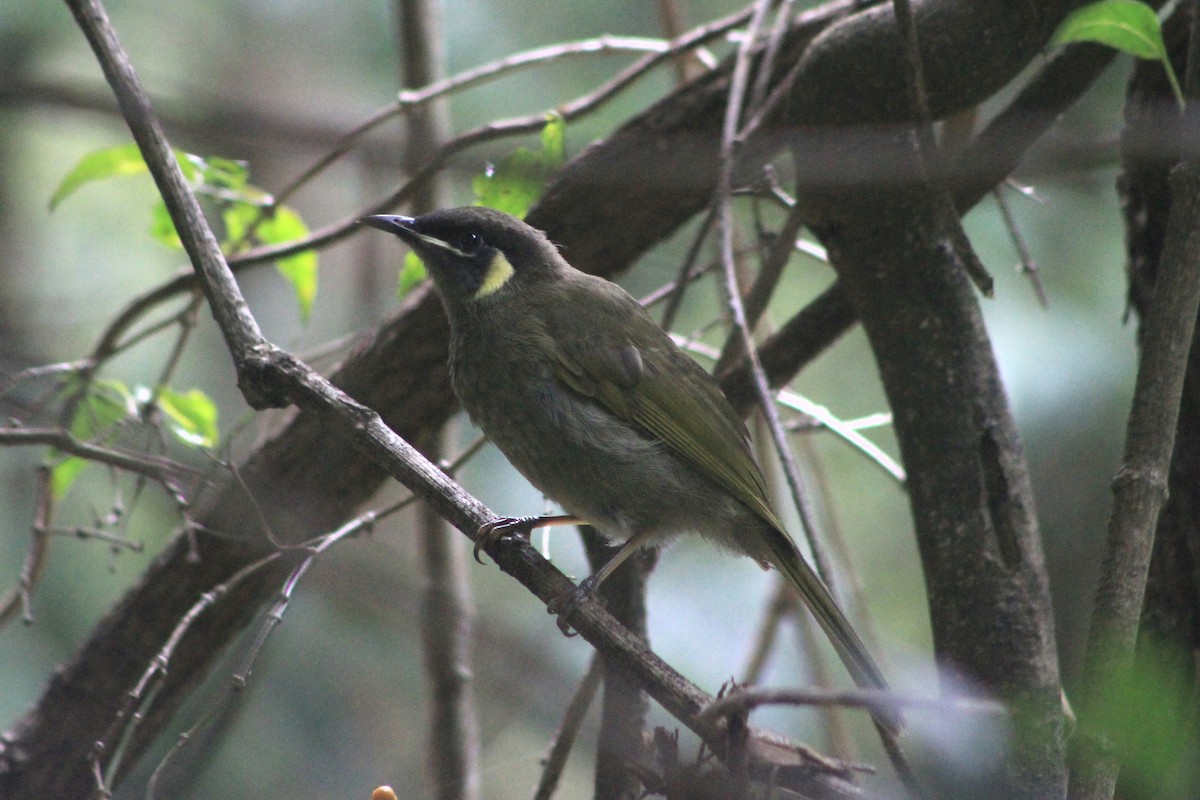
(587,396)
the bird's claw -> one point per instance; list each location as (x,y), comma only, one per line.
(491,532)
(567,603)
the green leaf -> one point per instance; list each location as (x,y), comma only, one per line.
(106,403)
(123,160)
(516,183)
(1140,709)
(111,162)
(284,226)
(64,473)
(162,227)
(226,173)
(554,138)
(411,275)
(191,416)
(1122,24)
(238,217)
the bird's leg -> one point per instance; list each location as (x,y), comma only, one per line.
(565,604)
(492,531)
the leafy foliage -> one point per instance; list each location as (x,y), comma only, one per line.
(105,404)
(191,416)
(515,184)
(249,214)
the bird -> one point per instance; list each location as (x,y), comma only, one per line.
(591,400)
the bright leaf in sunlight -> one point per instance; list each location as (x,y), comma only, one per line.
(516,183)
(191,416)
(107,402)
(274,227)
(281,227)
(245,209)
(111,162)
(1126,25)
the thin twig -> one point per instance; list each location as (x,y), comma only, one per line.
(724,219)
(742,699)
(130,714)
(783,602)
(155,467)
(1027,265)
(15,379)
(564,738)
(100,535)
(827,419)
(413,99)
(678,287)
(21,596)
(730,142)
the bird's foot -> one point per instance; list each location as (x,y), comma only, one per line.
(567,603)
(491,532)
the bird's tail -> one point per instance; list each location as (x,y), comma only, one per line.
(846,642)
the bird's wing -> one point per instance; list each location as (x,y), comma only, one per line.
(636,372)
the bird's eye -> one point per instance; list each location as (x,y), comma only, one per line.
(469,243)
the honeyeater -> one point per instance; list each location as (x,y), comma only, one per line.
(595,405)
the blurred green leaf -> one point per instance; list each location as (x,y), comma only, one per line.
(554,138)
(1140,709)
(162,227)
(515,184)
(1126,25)
(226,173)
(111,162)
(411,275)
(237,217)
(107,402)
(191,416)
(284,226)
(64,473)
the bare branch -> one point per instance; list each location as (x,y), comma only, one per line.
(564,738)
(154,467)
(1140,486)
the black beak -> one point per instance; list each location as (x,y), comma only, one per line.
(389,223)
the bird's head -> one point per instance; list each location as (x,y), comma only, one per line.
(475,254)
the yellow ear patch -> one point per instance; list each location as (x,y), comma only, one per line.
(498,273)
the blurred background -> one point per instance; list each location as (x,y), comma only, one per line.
(337,701)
